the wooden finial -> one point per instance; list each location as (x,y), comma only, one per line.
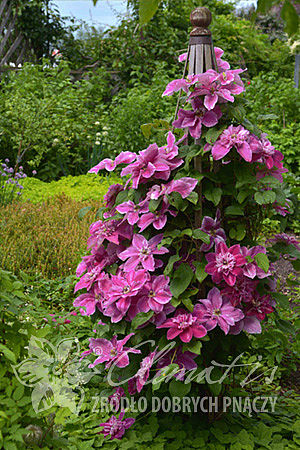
(200,19)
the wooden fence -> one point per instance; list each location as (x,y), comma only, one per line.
(14,47)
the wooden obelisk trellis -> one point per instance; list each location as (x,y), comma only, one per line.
(14,47)
(200,58)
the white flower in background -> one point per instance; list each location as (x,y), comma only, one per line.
(12,64)
(98,134)
(97,123)
(55,141)
(97,143)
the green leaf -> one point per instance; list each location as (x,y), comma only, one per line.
(193,346)
(147,10)
(281,299)
(99,213)
(263,198)
(290,16)
(84,211)
(153,205)
(146,129)
(18,393)
(212,135)
(121,197)
(285,326)
(199,234)
(170,369)
(188,304)
(8,354)
(264,5)
(234,210)
(181,280)
(262,261)
(238,232)
(141,318)
(213,195)
(169,267)
(259,198)
(193,198)
(242,195)
(200,272)
(179,388)
(269,197)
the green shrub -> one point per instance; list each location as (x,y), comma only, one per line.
(50,122)
(46,238)
(141,104)
(81,188)
(246,46)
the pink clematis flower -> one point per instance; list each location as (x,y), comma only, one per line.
(112,230)
(212,227)
(282,210)
(111,195)
(170,150)
(222,65)
(141,252)
(178,85)
(158,218)
(110,165)
(249,324)
(88,279)
(276,172)
(114,399)
(285,239)
(259,306)
(185,325)
(233,137)
(156,294)
(225,264)
(111,352)
(215,311)
(263,151)
(115,428)
(242,291)
(90,300)
(251,269)
(182,57)
(137,383)
(212,86)
(150,163)
(193,120)
(100,257)
(122,295)
(132,212)
(122,287)
(184,186)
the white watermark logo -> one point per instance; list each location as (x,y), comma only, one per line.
(54,373)
(57,373)
(204,404)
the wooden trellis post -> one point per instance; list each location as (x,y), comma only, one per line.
(14,47)
(200,58)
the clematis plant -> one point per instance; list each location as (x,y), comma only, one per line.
(155,270)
